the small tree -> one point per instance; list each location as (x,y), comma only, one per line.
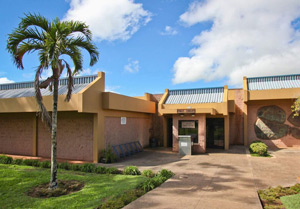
(51,40)
(296,107)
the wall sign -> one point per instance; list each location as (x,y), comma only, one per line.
(123,120)
(188,124)
(186,110)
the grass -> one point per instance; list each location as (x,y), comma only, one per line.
(17,180)
(291,201)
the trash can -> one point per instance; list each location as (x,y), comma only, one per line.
(185,145)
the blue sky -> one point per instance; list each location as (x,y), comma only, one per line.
(147,46)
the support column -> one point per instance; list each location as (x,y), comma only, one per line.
(98,135)
(34,136)
(245,125)
(165,131)
(226,132)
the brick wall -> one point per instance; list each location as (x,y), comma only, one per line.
(16,133)
(284,142)
(74,137)
(136,129)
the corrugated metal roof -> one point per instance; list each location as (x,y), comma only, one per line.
(194,96)
(26,89)
(274,82)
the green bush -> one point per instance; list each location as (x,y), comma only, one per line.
(101,170)
(45,164)
(17,161)
(36,163)
(5,159)
(64,165)
(296,188)
(165,173)
(28,162)
(75,167)
(259,148)
(148,173)
(131,170)
(113,170)
(108,155)
(88,167)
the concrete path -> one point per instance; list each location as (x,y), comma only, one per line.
(217,180)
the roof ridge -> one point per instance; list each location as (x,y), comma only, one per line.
(222,87)
(62,82)
(273,76)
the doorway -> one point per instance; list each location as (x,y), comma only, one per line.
(170,132)
(215,133)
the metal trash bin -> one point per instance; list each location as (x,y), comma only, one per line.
(185,145)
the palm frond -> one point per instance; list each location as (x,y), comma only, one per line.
(70,82)
(39,99)
(88,46)
(34,20)
(72,27)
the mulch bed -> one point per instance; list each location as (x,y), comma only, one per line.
(64,188)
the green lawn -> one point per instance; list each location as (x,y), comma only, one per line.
(291,201)
(16,180)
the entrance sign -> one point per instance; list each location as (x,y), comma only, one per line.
(188,124)
(186,110)
(123,120)
(184,144)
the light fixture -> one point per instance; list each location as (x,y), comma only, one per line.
(193,115)
(181,115)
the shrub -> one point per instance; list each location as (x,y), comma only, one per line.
(100,170)
(36,163)
(259,148)
(131,170)
(75,167)
(28,162)
(64,165)
(88,167)
(17,161)
(165,173)
(108,155)
(5,159)
(296,188)
(45,164)
(113,170)
(148,173)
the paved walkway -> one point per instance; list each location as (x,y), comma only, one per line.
(216,180)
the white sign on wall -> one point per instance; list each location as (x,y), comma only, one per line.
(188,124)
(123,120)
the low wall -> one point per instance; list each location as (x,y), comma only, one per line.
(135,129)
(283,128)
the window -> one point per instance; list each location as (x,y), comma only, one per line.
(189,127)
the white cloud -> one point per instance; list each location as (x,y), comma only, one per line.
(109,20)
(132,66)
(112,89)
(169,31)
(5,80)
(247,38)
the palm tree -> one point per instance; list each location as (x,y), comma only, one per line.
(54,41)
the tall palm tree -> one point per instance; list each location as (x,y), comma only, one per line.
(53,40)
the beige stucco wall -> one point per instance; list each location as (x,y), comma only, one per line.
(200,147)
(16,133)
(136,129)
(287,141)
(74,137)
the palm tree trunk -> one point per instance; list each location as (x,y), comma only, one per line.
(53,180)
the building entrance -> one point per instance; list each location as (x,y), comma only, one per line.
(215,133)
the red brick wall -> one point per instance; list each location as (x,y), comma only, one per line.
(200,147)
(74,137)
(16,133)
(136,129)
(236,120)
(287,141)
